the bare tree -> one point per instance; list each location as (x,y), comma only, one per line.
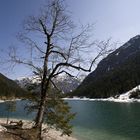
(55,46)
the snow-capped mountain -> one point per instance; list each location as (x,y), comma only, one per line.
(67,83)
(29,83)
(24,81)
(63,82)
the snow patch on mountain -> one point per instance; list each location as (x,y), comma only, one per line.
(117,53)
(126,45)
(129,43)
(136,37)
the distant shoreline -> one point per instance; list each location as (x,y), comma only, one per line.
(122,99)
(110,99)
(1,101)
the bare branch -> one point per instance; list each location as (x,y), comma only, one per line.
(15,59)
(44,27)
(67,65)
(29,42)
(63,71)
(60,53)
(55,86)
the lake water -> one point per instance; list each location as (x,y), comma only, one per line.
(95,120)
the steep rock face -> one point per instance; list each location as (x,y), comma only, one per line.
(115,74)
(9,88)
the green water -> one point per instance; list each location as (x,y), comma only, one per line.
(98,120)
(95,120)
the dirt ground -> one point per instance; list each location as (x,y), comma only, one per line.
(27,132)
(15,133)
(8,136)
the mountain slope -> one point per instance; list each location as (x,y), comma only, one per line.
(116,74)
(9,88)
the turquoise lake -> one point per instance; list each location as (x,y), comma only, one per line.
(95,120)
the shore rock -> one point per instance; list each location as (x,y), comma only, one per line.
(2,129)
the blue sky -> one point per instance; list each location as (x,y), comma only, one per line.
(119,19)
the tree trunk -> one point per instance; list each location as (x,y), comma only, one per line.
(41,110)
(39,118)
(44,88)
(40,114)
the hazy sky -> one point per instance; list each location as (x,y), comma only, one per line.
(119,19)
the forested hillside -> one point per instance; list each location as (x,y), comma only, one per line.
(114,75)
(9,88)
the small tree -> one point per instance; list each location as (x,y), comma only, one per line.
(55,46)
(57,112)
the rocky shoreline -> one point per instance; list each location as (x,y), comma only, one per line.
(52,134)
